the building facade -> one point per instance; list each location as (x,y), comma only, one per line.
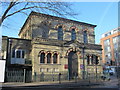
(49,44)
(111,48)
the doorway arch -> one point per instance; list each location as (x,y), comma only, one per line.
(72,64)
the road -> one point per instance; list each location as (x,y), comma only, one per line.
(113,83)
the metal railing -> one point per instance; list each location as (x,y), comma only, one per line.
(61,77)
(21,75)
(26,76)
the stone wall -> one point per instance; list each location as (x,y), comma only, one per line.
(46,27)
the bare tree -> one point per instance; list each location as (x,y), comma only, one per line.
(15,6)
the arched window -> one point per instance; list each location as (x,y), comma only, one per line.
(55,58)
(73,34)
(60,33)
(85,38)
(49,58)
(42,57)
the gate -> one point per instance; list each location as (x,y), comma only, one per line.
(18,75)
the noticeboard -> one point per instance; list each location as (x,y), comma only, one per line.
(66,66)
(81,66)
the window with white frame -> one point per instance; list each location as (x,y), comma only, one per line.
(18,53)
(107,42)
(115,31)
(108,49)
(115,39)
(55,69)
(42,69)
(49,69)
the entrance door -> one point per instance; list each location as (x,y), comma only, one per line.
(72,64)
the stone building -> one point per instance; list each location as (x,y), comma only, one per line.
(49,44)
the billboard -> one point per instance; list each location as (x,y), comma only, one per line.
(2,70)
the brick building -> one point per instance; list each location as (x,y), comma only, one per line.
(49,44)
(111,48)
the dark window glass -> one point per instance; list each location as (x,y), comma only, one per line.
(23,54)
(55,58)
(60,33)
(42,58)
(92,59)
(73,34)
(13,53)
(106,35)
(85,37)
(88,60)
(48,57)
(18,54)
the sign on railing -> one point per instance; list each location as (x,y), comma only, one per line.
(2,70)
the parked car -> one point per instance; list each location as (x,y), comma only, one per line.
(111,72)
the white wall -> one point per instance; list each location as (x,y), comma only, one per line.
(17,61)
(2,70)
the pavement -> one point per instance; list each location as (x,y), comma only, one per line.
(113,83)
(50,84)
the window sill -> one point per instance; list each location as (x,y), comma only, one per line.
(48,64)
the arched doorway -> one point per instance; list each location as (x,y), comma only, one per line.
(72,64)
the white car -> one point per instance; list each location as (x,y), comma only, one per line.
(111,72)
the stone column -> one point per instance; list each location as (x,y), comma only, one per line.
(99,60)
(90,60)
(45,58)
(58,58)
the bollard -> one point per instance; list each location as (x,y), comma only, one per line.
(75,77)
(24,76)
(35,76)
(89,78)
(60,78)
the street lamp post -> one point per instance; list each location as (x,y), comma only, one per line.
(8,57)
(10,50)
(83,52)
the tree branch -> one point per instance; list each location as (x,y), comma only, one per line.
(59,8)
(7,10)
(33,7)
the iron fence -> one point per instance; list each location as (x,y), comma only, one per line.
(26,76)
(89,77)
(21,75)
